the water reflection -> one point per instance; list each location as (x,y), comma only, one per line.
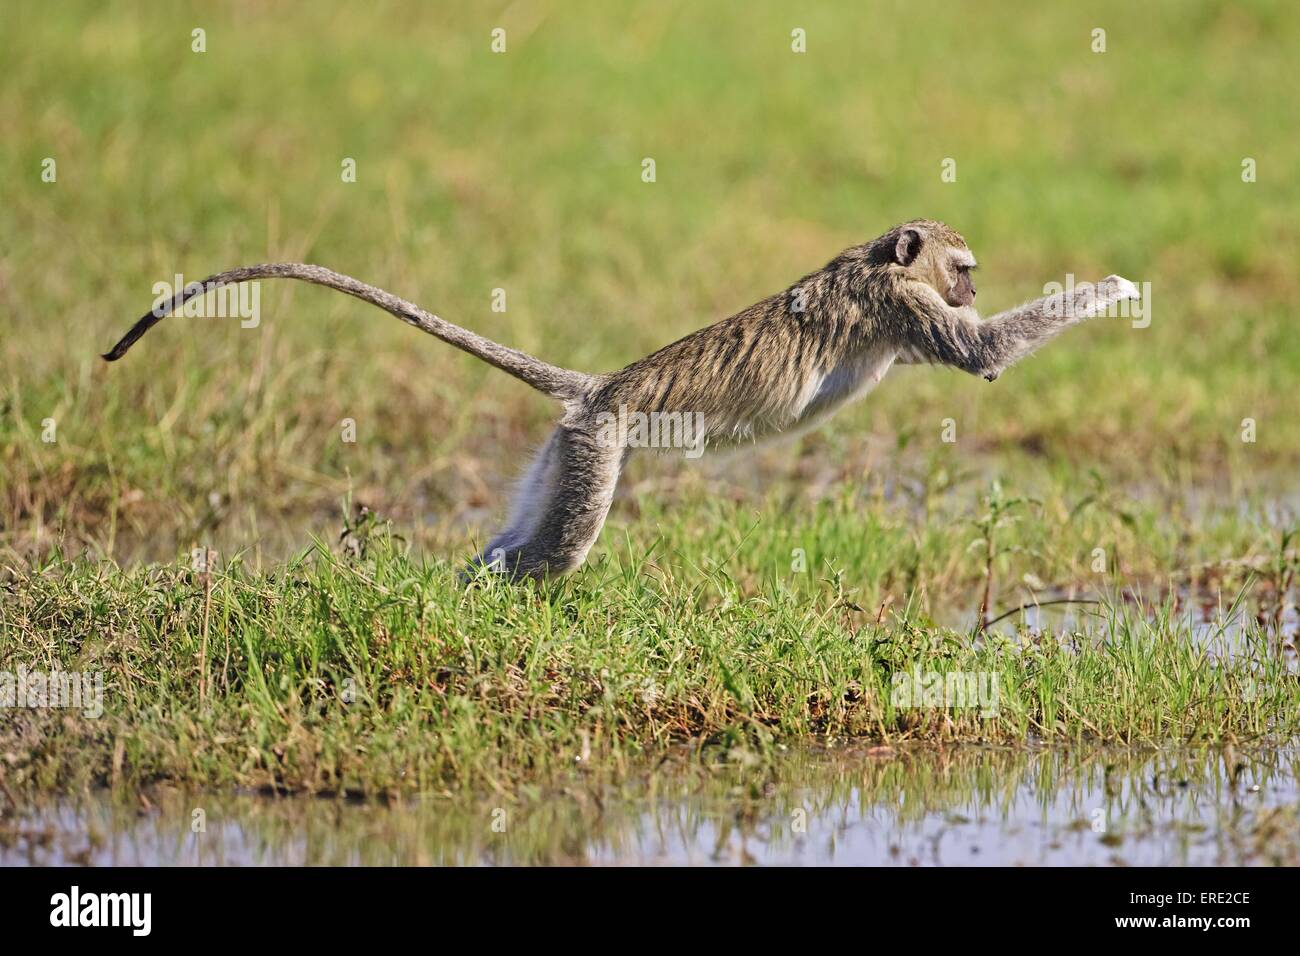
(1224,630)
(810,805)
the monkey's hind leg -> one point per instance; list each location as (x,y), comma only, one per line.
(559,508)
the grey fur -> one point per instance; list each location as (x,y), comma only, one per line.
(784,363)
(549,379)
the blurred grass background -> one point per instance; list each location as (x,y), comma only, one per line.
(522,171)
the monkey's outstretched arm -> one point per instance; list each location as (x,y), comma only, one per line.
(549,379)
(946,336)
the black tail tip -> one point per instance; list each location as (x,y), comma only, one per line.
(121,348)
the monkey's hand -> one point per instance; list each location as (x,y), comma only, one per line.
(1093,300)
(943,335)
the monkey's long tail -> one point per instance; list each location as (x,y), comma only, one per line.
(551,380)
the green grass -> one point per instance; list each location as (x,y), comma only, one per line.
(379,674)
(522,172)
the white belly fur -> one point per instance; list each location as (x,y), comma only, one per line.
(821,396)
(846,382)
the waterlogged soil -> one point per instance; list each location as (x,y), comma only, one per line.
(1226,630)
(815,804)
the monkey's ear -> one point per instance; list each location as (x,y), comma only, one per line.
(908,247)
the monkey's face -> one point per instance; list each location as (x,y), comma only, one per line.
(961,287)
(936,255)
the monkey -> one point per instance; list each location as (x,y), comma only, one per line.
(783,364)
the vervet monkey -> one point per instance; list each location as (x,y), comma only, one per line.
(781,364)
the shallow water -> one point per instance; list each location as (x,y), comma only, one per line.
(1224,630)
(809,805)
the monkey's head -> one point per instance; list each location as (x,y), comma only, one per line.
(928,251)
